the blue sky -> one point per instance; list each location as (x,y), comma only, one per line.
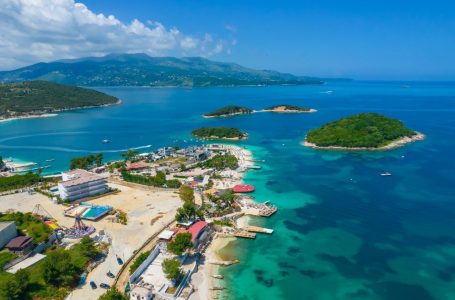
(387,40)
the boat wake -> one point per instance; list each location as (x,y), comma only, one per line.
(62,149)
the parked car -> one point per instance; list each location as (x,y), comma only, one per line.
(105,286)
(109,274)
(119,261)
(93,285)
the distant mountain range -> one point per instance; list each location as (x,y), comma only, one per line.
(144,70)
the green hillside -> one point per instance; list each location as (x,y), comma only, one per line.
(38,97)
(144,70)
(361,130)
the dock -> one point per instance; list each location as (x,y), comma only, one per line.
(245,234)
(258,229)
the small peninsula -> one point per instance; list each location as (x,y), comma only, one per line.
(229,111)
(286,108)
(365,131)
(220,133)
(33,99)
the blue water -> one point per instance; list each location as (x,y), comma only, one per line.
(342,231)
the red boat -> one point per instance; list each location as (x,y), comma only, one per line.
(243,188)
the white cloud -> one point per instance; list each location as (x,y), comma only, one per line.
(44,30)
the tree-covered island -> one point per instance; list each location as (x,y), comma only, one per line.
(286,108)
(228,111)
(38,98)
(366,131)
(219,133)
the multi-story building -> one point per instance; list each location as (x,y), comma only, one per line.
(78,184)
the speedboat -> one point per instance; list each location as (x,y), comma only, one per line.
(106,141)
(386,174)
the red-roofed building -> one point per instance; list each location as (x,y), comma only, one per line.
(243,188)
(194,184)
(198,231)
(136,166)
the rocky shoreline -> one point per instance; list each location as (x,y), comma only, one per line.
(392,145)
(53,113)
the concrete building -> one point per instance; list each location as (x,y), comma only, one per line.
(8,231)
(78,184)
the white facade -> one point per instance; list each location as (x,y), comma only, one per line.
(78,184)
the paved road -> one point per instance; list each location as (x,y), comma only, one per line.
(124,275)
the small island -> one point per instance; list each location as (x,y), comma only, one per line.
(365,131)
(286,108)
(228,111)
(220,133)
(33,99)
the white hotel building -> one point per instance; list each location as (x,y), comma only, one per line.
(78,184)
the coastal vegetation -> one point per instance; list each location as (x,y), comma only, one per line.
(130,154)
(228,111)
(365,130)
(113,294)
(5,257)
(27,224)
(138,261)
(222,204)
(159,180)
(186,193)
(87,162)
(142,70)
(221,162)
(172,268)
(51,278)
(287,108)
(189,210)
(19,181)
(180,244)
(40,97)
(219,133)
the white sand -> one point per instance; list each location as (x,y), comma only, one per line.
(202,280)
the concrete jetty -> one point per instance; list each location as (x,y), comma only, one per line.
(258,229)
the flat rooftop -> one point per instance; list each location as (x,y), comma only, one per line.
(3,225)
(79,176)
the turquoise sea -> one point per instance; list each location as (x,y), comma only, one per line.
(342,231)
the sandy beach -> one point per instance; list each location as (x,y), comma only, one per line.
(28,117)
(292,111)
(53,114)
(395,144)
(203,280)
